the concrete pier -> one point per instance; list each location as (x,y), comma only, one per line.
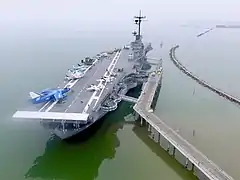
(200,81)
(180,149)
(128,99)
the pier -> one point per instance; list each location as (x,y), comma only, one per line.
(182,68)
(128,99)
(179,148)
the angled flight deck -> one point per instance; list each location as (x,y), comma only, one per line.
(84,101)
(80,100)
(104,79)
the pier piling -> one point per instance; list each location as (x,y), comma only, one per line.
(168,139)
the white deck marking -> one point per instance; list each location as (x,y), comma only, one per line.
(82,89)
(110,69)
(110,73)
(70,85)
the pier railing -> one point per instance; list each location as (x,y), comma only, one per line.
(199,160)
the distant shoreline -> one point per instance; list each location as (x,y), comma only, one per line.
(227,26)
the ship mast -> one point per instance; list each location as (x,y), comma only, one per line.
(138,20)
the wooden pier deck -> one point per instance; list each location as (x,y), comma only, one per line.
(200,164)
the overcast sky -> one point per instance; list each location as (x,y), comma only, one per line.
(89,13)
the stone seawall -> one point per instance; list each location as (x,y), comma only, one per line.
(200,81)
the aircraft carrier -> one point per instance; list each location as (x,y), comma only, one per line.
(110,75)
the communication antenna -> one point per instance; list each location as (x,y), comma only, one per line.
(138,20)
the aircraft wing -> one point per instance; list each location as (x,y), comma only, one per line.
(58,95)
(48,90)
(90,88)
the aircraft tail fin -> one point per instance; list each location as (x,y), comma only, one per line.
(33,95)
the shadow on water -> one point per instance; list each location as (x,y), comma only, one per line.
(135,92)
(80,160)
(142,134)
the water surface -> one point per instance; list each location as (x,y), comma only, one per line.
(118,150)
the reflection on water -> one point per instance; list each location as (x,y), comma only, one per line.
(62,160)
(189,107)
(81,160)
(68,161)
(75,159)
(142,134)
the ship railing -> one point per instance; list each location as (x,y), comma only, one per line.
(110,108)
(132,85)
(118,100)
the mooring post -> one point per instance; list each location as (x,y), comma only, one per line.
(153,133)
(174,149)
(141,121)
(146,124)
(149,127)
(136,116)
(192,167)
(168,146)
(159,136)
(186,162)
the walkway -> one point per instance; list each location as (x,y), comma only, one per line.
(128,98)
(206,166)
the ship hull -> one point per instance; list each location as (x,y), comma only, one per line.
(86,131)
(105,79)
(82,133)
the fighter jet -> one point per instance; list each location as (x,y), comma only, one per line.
(106,79)
(49,95)
(79,67)
(72,75)
(104,54)
(95,87)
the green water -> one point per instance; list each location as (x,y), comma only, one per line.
(118,150)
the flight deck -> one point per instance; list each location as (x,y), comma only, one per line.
(80,99)
(91,89)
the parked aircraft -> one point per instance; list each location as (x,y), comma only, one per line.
(49,95)
(106,79)
(95,87)
(71,75)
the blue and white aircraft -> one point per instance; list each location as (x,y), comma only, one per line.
(49,95)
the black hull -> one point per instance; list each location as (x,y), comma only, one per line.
(86,132)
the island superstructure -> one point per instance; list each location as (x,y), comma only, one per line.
(96,90)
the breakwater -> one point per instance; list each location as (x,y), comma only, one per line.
(218,91)
(227,26)
(205,32)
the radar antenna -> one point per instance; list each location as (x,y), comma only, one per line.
(138,20)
